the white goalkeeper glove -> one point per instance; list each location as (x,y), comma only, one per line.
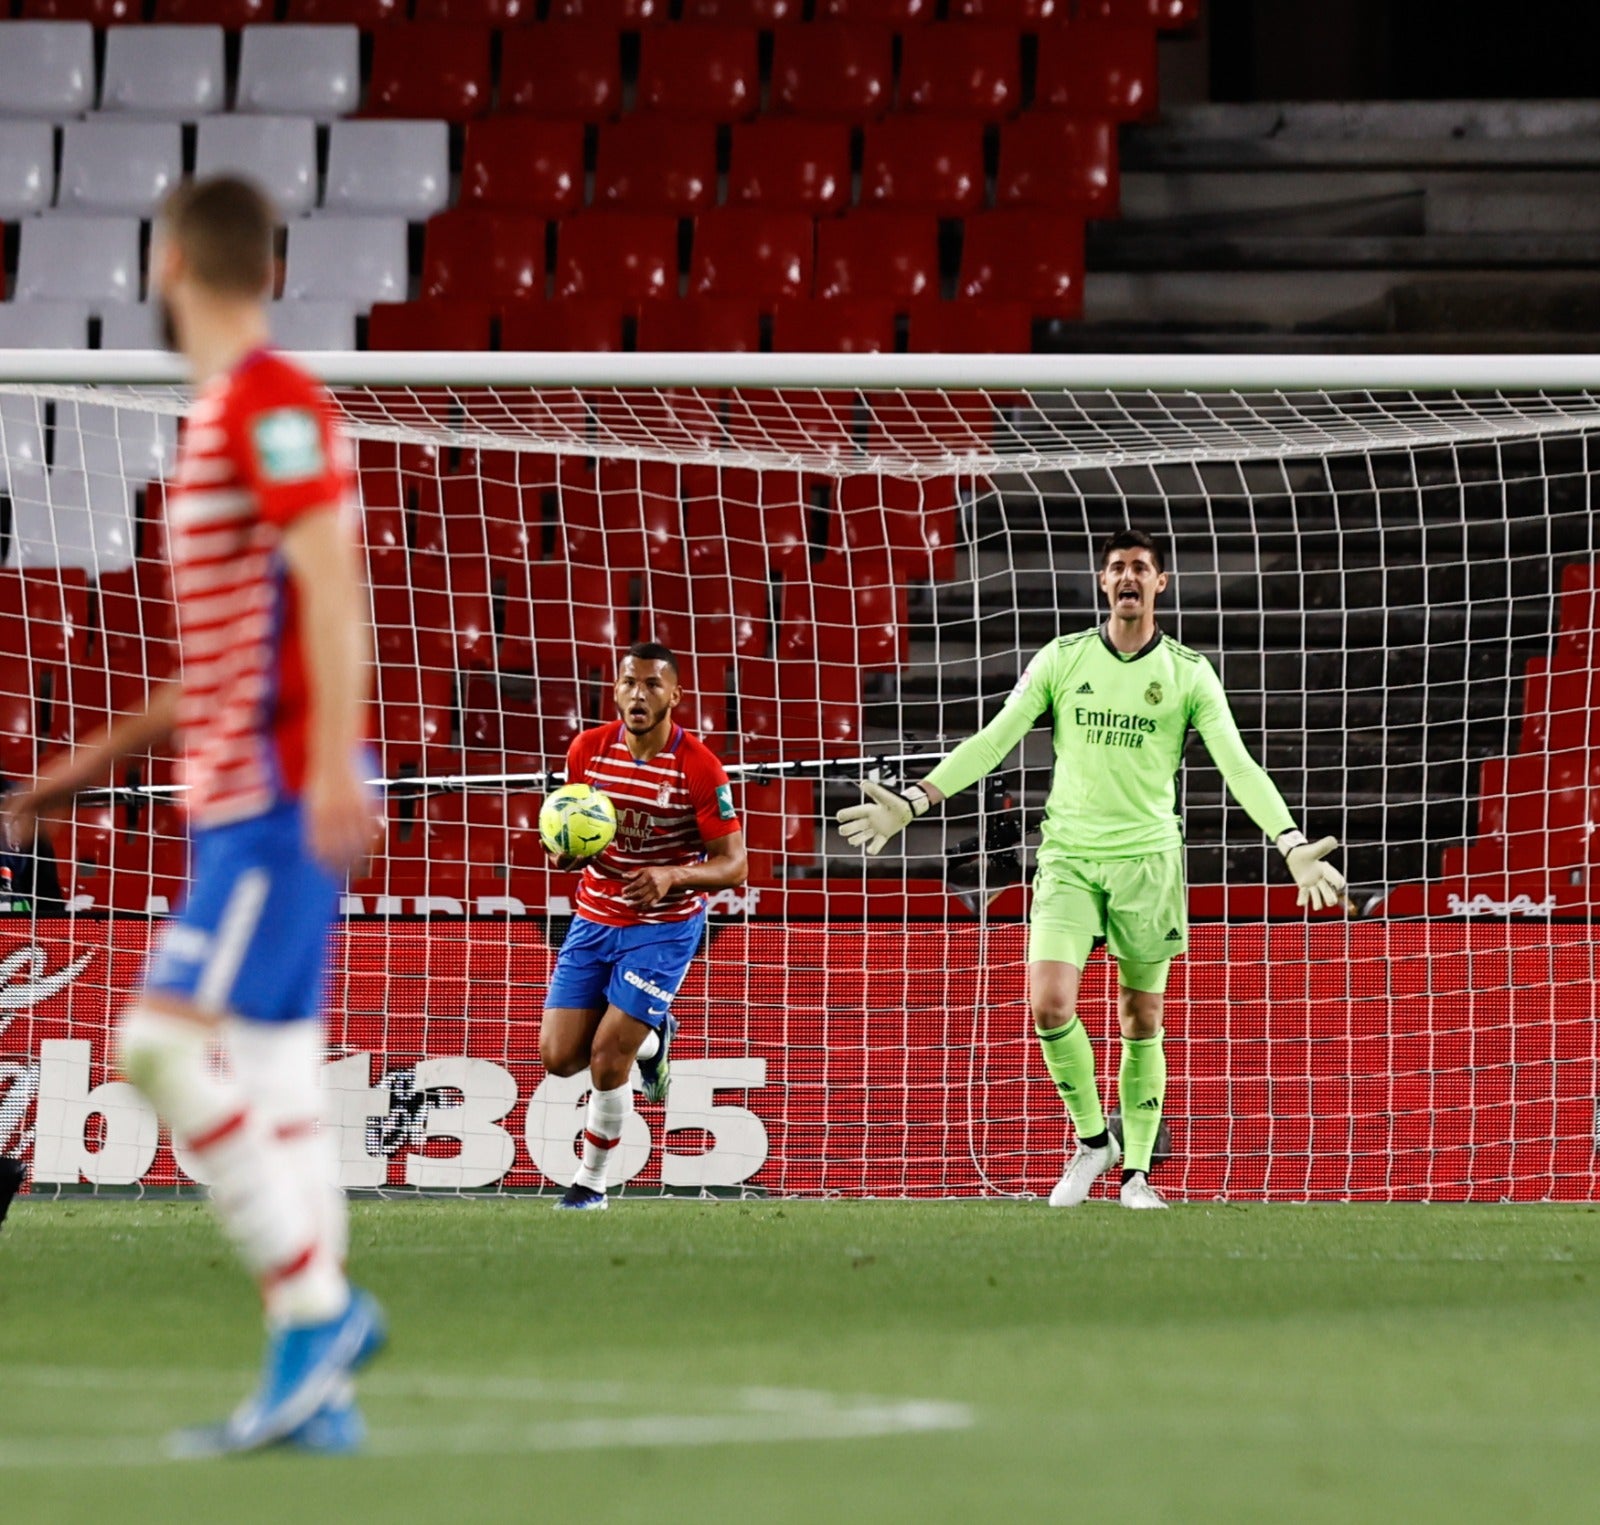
(1321,884)
(887,814)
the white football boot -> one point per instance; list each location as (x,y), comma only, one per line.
(1085,1168)
(1138,1192)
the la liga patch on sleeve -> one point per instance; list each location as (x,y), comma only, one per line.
(724,802)
(289,445)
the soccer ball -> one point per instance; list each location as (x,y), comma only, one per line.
(576,821)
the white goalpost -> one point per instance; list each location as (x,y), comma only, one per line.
(1390,559)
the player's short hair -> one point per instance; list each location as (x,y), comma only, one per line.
(1131,540)
(225,226)
(654,651)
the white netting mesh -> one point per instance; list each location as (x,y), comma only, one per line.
(1397,589)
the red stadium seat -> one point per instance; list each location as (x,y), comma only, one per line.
(514,164)
(750,252)
(787,164)
(646,164)
(1093,70)
(483,256)
(231,14)
(511,725)
(1020,15)
(923,164)
(626,256)
(961,71)
(914,522)
(848,327)
(628,15)
(440,325)
(892,255)
(708,73)
(1168,15)
(492,13)
(578,323)
(1059,163)
(705,323)
(838,70)
(429,71)
(1032,257)
(756,13)
(890,13)
(100,13)
(363,13)
(558,619)
(970,328)
(569,72)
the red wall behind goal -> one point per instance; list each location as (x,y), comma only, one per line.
(1377,1061)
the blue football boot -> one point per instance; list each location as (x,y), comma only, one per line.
(579,1199)
(305,1366)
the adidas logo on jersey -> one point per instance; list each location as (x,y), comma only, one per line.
(1085,689)
(1173,936)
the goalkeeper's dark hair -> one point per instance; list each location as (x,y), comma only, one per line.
(1131,540)
(654,651)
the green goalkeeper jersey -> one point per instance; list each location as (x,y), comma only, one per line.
(1120,723)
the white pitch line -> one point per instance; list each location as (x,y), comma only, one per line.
(761,1416)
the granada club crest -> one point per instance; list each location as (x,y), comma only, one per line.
(664,794)
(1152,695)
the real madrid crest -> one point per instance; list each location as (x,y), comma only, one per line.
(1152,695)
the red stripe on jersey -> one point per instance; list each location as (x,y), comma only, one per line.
(668,807)
(261,449)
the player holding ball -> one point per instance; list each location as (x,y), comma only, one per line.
(640,914)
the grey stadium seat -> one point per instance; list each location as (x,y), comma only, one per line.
(361,260)
(299,70)
(44,325)
(398,168)
(171,71)
(111,165)
(46,68)
(134,326)
(27,168)
(278,152)
(92,259)
(312,325)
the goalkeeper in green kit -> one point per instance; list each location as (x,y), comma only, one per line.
(1122,697)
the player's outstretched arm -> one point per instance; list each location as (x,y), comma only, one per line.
(321,555)
(887,812)
(1321,885)
(87,764)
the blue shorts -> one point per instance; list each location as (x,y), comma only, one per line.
(251,940)
(637,969)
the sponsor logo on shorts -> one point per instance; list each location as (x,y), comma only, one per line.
(639,982)
(1173,936)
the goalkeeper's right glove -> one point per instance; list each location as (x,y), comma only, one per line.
(888,814)
(1321,884)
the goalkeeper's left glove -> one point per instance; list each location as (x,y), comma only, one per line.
(1321,884)
(888,814)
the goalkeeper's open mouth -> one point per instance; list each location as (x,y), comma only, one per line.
(1124,594)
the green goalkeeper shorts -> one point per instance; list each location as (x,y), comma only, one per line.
(1139,905)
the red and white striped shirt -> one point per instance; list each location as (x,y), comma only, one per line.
(668,808)
(260,450)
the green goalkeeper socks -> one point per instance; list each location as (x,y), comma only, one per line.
(1070,1059)
(1141,1088)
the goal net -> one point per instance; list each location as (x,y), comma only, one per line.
(1392,565)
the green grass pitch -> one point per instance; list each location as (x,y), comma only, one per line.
(850,1361)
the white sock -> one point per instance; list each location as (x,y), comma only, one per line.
(651,1045)
(261,1211)
(602,1132)
(279,1065)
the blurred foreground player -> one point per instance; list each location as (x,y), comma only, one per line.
(270,713)
(1122,698)
(639,917)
